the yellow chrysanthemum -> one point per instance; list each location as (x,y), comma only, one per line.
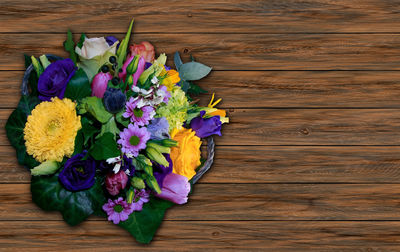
(186,157)
(51,129)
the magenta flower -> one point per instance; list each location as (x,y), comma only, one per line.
(117,210)
(139,116)
(116,182)
(99,84)
(175,188)
(141,197)
(133,139)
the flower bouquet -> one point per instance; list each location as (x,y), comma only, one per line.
(112,131)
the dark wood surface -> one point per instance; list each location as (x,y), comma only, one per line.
(311,158)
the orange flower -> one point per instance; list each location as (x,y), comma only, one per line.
(144,49)
(172,77)
(186,157)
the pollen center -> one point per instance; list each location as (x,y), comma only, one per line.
(134,140)
(138,112)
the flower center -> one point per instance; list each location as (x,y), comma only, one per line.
(80,170)
(138,112)
(134,140)
(53,126)
(118,208)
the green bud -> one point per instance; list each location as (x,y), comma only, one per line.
(138,183)
(169,143)
(37,66)
(159,148)
(132,67)
(45,62)
(129,80)
(45,168)
(129,196)
(152,182)
(156,156)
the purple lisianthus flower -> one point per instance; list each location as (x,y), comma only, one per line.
(159,128)
(141,197)
(78,174)
(138,115)
(160,171)
(117,210)
(111,40)
(175,188)
(53,81)
(133,139)
(205,127)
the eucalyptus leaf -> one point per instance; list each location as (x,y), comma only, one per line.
(144,224)
(193,71)
(75,207)
(177,61)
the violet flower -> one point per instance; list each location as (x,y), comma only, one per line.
(159,128)
(141,197)
(78,174)
(133,139)
(53,81)
(205,127)
(117,210)
(175,188)
(138,115)
(99,84)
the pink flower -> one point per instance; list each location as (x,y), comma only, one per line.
(116,182)
(117,210)
(144,49)
(140,116)
(99,84)
(175,188)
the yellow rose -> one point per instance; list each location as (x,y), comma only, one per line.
(185,157)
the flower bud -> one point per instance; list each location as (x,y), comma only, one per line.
(116,182)
(99,84)
(132,67)
(114,100)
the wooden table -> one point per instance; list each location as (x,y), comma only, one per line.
(311,158)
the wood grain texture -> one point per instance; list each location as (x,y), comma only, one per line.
(299,127)
(248,202)
(248,16)
(206,235)
(239,51)
(275,164)
(277,89)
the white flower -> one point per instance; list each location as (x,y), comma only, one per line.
(94,53)
(117,161)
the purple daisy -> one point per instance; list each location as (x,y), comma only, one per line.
(138,115)
(117,210)
(141,197)
(133,139)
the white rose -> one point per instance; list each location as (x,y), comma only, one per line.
(94,53)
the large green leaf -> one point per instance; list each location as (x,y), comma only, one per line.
(78,87)
(193,71)
(105,147)
(75,207)
(15,129)
(95,107)
(144,224)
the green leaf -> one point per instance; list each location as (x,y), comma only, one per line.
(121,53)
(75,207)
(81,40)
(195,89)
(88,130)
(95,107)
(15,129)
(177,61)
(122,120)
(144,224)
(110,127)
(69,46)
(79,142)
(105,147)
(193,71)
(78,87)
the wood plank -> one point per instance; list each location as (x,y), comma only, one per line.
(249,202)
(299,127)
(240,51)
(274,164)
(209,235)
(278,89)
(249,16)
